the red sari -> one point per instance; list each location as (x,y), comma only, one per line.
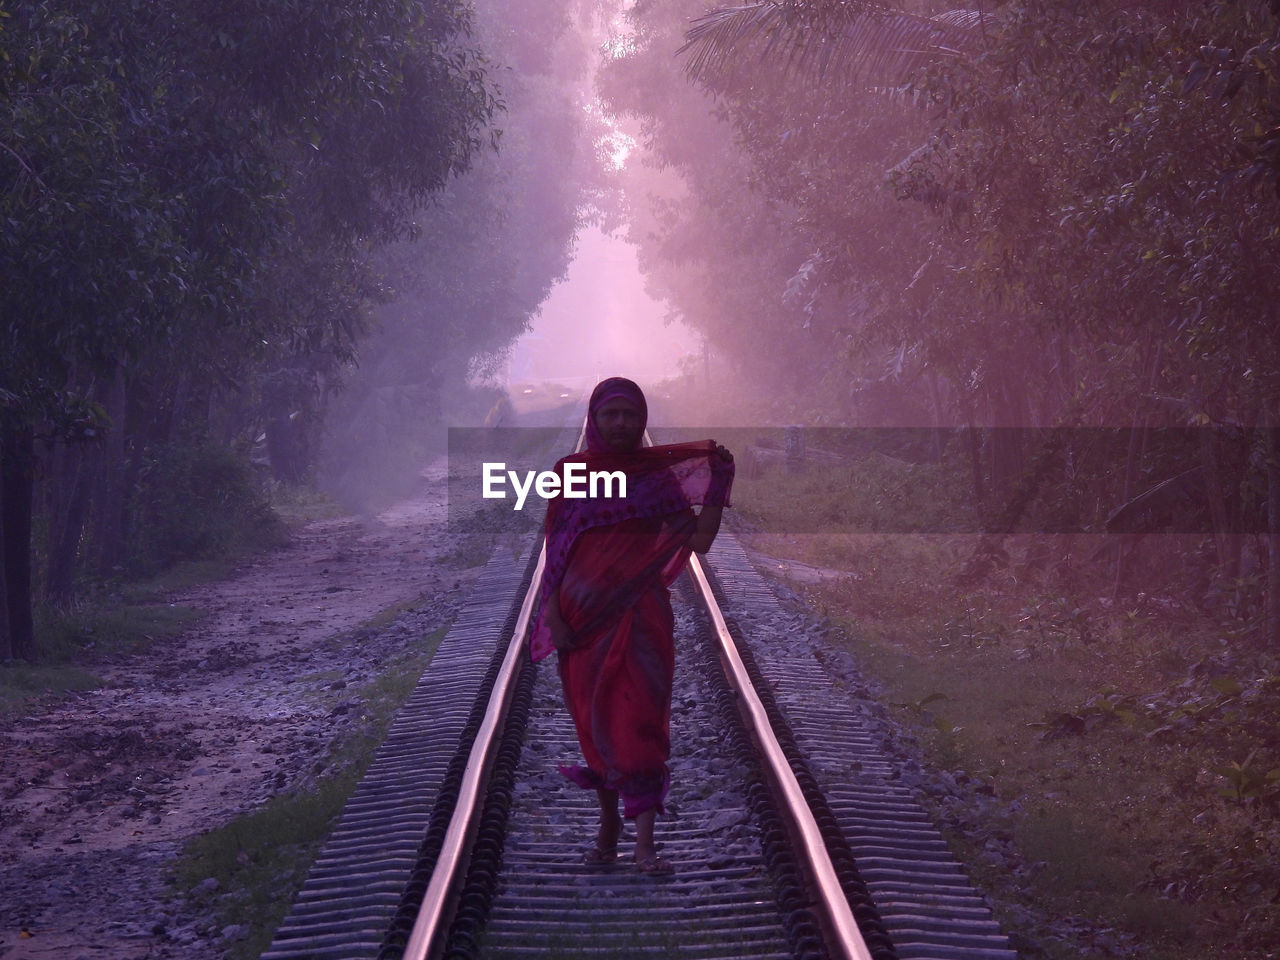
(611,563)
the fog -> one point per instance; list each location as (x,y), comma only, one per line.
(984,302)
(599,321)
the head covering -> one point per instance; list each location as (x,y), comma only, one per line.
(612,389)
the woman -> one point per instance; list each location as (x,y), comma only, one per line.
(606,611)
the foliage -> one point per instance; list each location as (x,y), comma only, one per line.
(1072,771)
(1063,257)
(96,209)
(169,189)
(763,211)
(1077,205)
(869,493)
(20,685)
(1229,724)
(194,195)
(1057,621)
(851,43)
(107,627)
(197,502)
(717,249)
(1128,741)
(1084,235)
(484,255)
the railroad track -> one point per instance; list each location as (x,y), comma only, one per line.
(790,836)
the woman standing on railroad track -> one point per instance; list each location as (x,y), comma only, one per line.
(607,613)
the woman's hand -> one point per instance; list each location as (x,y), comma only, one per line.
(709,516)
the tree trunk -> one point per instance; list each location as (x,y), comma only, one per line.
(1139,440)
(1270,427)
(283,448)
(990,551)
(1008,423)
(67,520)
(6,643)
(935,400)
(1228,552)
(17,487)
(109,526)
(974,444)
(1132,460)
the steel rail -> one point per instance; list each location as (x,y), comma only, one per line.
(427,937)
(832,903)
(433,916)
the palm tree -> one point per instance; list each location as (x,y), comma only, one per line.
(846,41)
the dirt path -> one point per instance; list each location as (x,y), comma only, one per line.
(99,791)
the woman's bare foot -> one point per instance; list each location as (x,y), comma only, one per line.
(606,850)
(610,831)
(598,857)
(646,853)
(654,866)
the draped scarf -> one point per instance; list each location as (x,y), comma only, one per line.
(660,481)
(609,561)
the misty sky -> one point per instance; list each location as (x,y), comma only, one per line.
(599,322)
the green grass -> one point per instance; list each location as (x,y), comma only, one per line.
(182,576)
(877,493)
(108,629)
(20,684)
(474,550)
(261,860)
(120,616)
(297,506)
(292,508)
(487,529)
(69,643)
(994,679)
(1098,807)
(376,622)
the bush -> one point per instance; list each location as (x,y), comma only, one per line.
(196,502)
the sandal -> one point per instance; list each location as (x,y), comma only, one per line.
(600,856)
(655,866)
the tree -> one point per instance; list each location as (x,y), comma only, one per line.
(165,165)
(1067,260)
(859,44)
(483,258)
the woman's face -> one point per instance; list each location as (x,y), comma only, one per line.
(620,424)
